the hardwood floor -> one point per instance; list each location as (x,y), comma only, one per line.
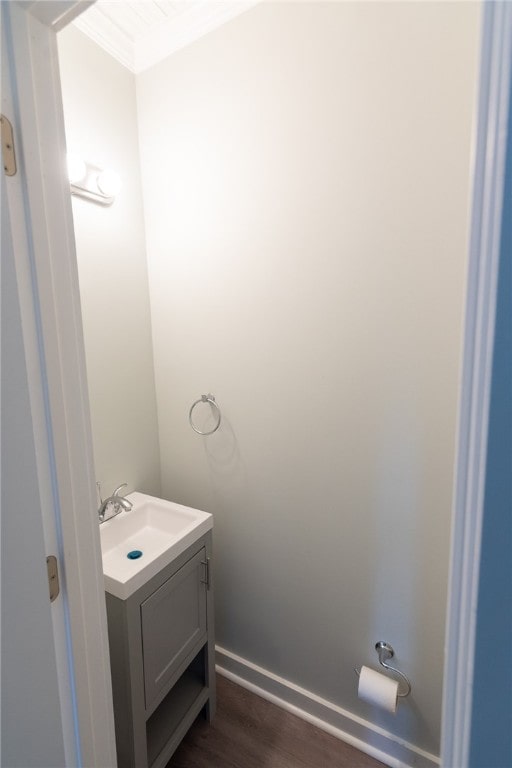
(250,732)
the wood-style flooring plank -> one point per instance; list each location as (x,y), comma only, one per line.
(250,732)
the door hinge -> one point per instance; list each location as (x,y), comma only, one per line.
(207,568)
(8,155)
(53,576)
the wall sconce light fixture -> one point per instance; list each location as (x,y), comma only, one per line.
(93,183)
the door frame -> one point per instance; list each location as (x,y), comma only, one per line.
(488,175)
(39,208)
(54,302)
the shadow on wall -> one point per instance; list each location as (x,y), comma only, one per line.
(227,471)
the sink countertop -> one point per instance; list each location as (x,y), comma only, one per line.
(160,529)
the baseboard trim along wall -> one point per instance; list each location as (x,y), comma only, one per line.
(350,728)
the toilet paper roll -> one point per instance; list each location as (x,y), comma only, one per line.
(377,689)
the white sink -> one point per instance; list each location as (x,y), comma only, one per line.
(160,529)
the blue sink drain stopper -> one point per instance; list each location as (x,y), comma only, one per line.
(134,554)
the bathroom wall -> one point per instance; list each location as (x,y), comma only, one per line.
(306,183)
(101,127)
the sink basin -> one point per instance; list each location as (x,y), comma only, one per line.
(160,530)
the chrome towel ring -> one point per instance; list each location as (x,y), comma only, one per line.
(205,399)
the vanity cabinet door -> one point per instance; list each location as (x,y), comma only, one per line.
(173,625)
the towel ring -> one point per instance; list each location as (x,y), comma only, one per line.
(205,399)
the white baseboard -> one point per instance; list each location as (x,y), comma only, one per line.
(369,738)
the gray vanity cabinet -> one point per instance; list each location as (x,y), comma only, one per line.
(162,658)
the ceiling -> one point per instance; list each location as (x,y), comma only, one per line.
(140,33)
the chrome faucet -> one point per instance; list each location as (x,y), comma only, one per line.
(113,505)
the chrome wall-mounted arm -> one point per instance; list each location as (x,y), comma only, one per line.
(385,651)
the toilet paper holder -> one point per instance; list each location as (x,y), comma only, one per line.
(385,651)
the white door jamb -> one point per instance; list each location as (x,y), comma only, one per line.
(484,252)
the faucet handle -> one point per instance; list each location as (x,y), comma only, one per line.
(98,486)
(123,485)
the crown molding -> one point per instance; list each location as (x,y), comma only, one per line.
(158,37)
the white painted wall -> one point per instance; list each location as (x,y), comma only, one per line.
(305,178)
(101,127)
